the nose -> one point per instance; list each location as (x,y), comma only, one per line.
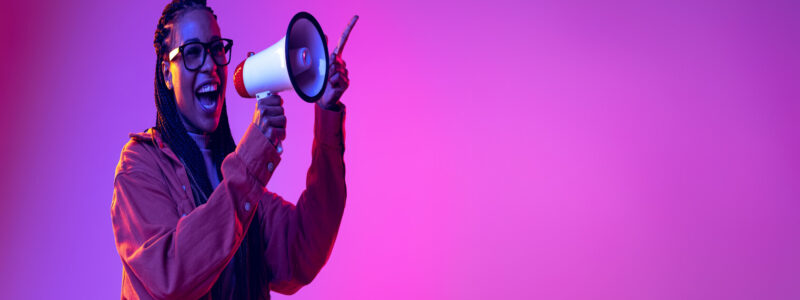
(209,66)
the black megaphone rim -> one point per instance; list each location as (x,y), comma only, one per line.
(300,92)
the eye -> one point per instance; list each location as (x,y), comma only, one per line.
(217,48)
(192,51)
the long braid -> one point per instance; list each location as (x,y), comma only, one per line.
(168,122)
(169,125)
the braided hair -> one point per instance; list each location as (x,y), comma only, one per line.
(168,122)
(173,133)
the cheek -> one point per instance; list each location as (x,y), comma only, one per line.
(223,77)
(184,91)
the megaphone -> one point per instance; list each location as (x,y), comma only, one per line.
(298,61)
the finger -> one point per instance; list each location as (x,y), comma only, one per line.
(345,83)
(256,116)
(263,121)
(339,81)
(335,68)
(338,61)
(272,100)
(264,108)
(338,69)
(333,75)
(335,78)
(279,134)
(272,110)
(277,122)
(345,35)
(273,122)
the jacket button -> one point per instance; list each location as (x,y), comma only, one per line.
(270,166)
(247,206)
(184,187)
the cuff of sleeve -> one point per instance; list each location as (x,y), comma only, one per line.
(258,154)
(329,126)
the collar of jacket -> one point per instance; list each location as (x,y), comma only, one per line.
(152,135)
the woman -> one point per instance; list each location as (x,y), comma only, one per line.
(190,213)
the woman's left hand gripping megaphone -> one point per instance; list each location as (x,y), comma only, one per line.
(338,80)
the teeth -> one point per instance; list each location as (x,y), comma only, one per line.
(207,88)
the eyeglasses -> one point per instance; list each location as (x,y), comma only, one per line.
(194,53)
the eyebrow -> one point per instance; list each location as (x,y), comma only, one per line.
(213,38)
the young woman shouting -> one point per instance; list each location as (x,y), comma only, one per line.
(191,216)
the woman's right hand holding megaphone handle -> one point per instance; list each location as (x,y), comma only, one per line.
(270,119)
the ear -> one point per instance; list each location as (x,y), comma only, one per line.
(167,74)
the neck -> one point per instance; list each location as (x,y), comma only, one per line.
(203,140)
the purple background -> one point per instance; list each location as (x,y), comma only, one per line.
(495,149)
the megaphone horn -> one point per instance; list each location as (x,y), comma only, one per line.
(297,61)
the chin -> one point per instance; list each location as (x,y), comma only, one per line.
(210,128)
(208,121)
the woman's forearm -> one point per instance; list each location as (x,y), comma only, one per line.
(300,238)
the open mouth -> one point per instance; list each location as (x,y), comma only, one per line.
(208,96)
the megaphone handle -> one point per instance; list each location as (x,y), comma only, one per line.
(262,95)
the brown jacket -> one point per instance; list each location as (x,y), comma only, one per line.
(171,249)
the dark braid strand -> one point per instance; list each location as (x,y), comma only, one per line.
(168,122)
(248,265)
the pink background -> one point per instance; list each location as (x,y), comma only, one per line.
(495,149)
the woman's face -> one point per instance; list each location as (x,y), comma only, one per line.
(199,94)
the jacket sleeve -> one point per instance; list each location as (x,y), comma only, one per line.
(178,257)
(299,238)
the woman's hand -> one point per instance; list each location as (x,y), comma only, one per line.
(269,118)
(337,83)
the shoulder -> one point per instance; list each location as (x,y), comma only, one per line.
(141,153)
(141,190)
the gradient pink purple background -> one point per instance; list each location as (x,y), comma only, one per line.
(495,149)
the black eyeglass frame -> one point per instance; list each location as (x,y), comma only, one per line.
(206,50)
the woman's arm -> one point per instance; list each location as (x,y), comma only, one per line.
(299,238)
(178,257)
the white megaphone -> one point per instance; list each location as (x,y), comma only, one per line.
(298,61)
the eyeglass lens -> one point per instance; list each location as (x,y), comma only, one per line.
(194,54)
